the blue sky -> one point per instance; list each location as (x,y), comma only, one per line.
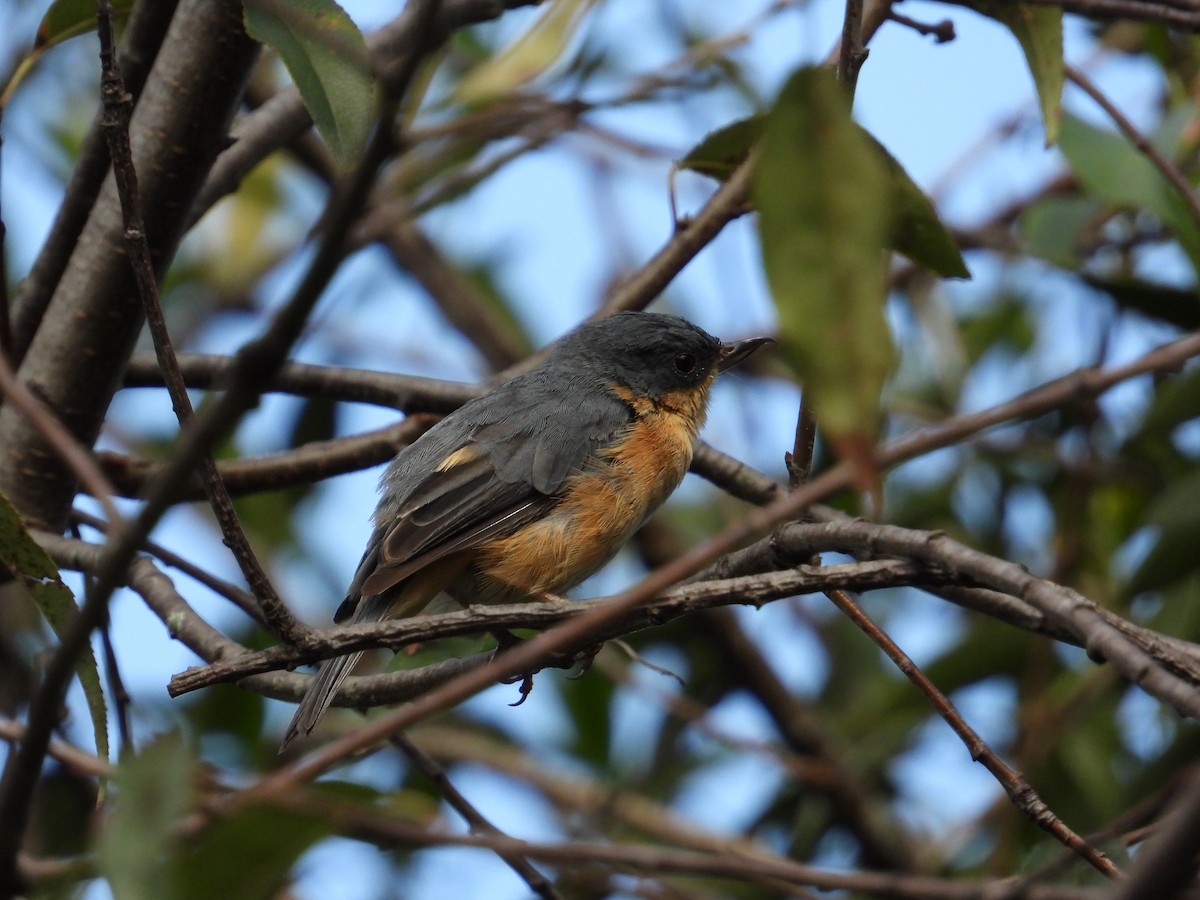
(932,106)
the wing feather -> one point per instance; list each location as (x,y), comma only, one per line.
(481,473)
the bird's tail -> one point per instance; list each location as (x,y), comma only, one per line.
(320,694)
(331,675)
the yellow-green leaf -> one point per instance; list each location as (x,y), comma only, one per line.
(28,563)
(916,231)
(65,19)
(1112,169)
(821,189)
(915,228)
(1038,29)
(526,58)
(326,56)
(153,790)
(724,149)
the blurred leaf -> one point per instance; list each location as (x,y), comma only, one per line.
(723,150)
(28,563)
(235,243)
(268,516)
(1176,400)
(589,701)
(316,422)
(916,231)
(64,807)
(1176,514)
(247,856)
(227,709)
(1005,323)
(327,58)
(1053,227)
(1038,29)
(1175,306)
(153,790)
(529,56)
(915,228)
(65,19)
(1114,170)
(821,193)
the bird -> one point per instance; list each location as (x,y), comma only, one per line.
(529,489)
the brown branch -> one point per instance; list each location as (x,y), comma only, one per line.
(880,847)
(1064,606)
(143,35)
(580,794)
(388,830)
(479,823)
(242,600)
(673,604)
(410,393)
(1163,12)
(77,457)
(942,32)
(1167,864)
(851,51)
(72,757)
(185,625)
(115,124)
(727,203)
(1019,790)
(310,463)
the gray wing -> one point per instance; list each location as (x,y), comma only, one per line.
(487,469)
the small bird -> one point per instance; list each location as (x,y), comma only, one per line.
(531,488)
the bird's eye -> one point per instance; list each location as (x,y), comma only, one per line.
(684,363)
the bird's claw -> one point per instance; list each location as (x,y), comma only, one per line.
(583,659)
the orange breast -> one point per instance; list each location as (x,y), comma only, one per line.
(600,509)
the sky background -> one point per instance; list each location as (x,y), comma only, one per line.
(936,108)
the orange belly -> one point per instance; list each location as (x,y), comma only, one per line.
(600,510)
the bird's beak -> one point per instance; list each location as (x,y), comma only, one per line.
(732,354)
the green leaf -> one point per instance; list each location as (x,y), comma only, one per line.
(65,19)
(327,58)
(724,149)
(153,790)
(247,855)
(1177,400)
(528,57)
(1005,323)
(821,191)
(1176,515)
(1114,170)
(1053,228)
(915,229)
(1038,29)
(27,562)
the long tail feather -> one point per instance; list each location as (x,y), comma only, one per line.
(331,675)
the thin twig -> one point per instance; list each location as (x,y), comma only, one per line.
(851,52)
(1169,170)
(118,105)
(799,461)
(1167,864)
(1022,794)
(479,823)
(757,589)
(1164,13)
(942,32)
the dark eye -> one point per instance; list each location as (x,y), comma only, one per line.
(684,363)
